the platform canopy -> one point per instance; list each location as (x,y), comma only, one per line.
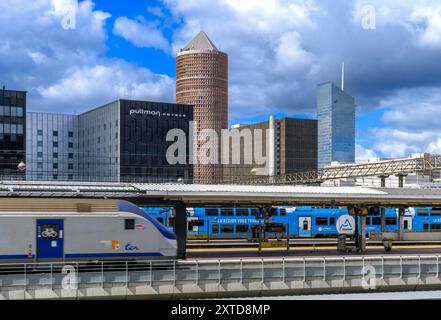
(226,195)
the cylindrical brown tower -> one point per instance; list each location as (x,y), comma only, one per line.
(202,81)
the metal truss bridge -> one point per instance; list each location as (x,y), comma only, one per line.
(382,169)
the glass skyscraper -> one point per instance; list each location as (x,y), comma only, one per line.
(336,125)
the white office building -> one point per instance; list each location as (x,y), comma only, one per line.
(51,146)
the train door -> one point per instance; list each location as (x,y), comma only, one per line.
(50,240)
(305,227)
(407,223)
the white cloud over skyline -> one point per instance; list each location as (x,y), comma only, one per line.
(279,50)
(67,70)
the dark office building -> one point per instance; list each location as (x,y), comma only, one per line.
(12,133)
(298,145)
(144,127)
(126,141)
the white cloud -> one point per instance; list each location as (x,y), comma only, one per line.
(66,70)
(144,35)
(396,143)
(89,86)
(362,153)
(291,57)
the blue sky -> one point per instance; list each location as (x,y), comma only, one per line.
(278,51)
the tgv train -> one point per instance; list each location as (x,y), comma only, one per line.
(34,230)
(301,222)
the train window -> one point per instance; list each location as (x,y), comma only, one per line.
(254,211)
(423,212)
(211,212)
(129,224)
(227,212)
(391,221)
(368,221)
(242,228)
(241,212)
(332,221)
(227,228)
(321,221)
(435,212)
(195,223)
(161,220)
(282,212)
(275,227)
(376,221)
(435,227)
(215,228)
(171,221)
(199,223)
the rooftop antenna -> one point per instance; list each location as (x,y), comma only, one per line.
(343,76)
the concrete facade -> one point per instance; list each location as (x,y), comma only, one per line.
(295,149)
(239,278)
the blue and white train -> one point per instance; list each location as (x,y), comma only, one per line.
(301,222)
(36,230)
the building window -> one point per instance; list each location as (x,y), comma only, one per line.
(70,166)
(70,144)
(39,132)
(40,154)
(70,134)
(55,133)
(39,165)
(70,155)
(55,155)
(55,144)
(39,143)
(55,165)
(55,176)
(70,177)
